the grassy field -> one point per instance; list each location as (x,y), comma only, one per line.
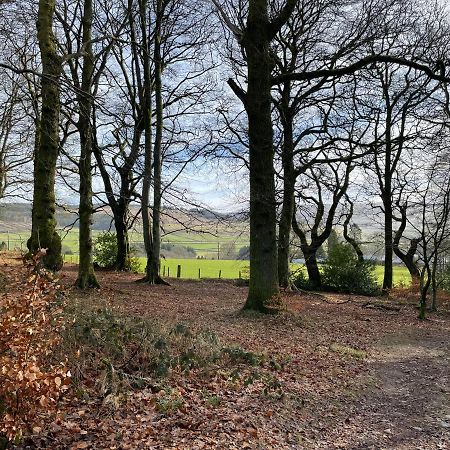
(205,245)
(232,269)
(229,269)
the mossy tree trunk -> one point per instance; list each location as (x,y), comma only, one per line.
(44,235)
(263,285)
(86,276)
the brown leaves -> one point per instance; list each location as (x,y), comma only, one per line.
(29,326)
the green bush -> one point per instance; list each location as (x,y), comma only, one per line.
(105,252)
(301,280)
(343,272)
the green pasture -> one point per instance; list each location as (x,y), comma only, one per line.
(205,245)
(228,269)
(401,275)
(231,269)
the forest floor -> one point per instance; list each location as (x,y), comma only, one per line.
(336,372)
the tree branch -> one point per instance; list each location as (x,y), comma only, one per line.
(283,17)
(358,65)
(240,93)
(227,21)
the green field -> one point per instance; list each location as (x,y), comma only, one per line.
(401,275)
(231,269)
(205,245)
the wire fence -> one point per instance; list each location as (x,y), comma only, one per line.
(208,259)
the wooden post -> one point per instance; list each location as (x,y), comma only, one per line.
(164,271)
(179,271)
(199,276)
(168,271)
(220,274)
(240,275)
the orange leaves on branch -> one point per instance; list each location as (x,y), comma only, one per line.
(30,380)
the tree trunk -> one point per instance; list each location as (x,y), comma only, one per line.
(147,117)
(350,239)
(263,285)
(119,208)
(387,198)
(288,208)
(434,285)
(43,234)
(425,281)
(153,261)
(388,246)
(315,278)
(122,262)
(86,276)
(408,260)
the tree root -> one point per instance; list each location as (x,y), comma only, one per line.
(158,280)
(381,306)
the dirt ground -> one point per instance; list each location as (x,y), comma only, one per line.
(349,375)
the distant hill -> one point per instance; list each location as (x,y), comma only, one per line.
(16,217)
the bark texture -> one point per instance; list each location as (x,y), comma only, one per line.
(44,235)
(86,275)
(263,285)
(288,207)
(153,258)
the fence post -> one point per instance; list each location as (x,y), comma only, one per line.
(199,276)
(179,271)
(164,271)
(220,274)
(240,275)
(8,240)
(168,271)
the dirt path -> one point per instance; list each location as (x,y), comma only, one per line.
(409,406)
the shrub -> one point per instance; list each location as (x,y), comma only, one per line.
(105,252)
(343,272)
(30,382)
(133,352)
(301,280)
